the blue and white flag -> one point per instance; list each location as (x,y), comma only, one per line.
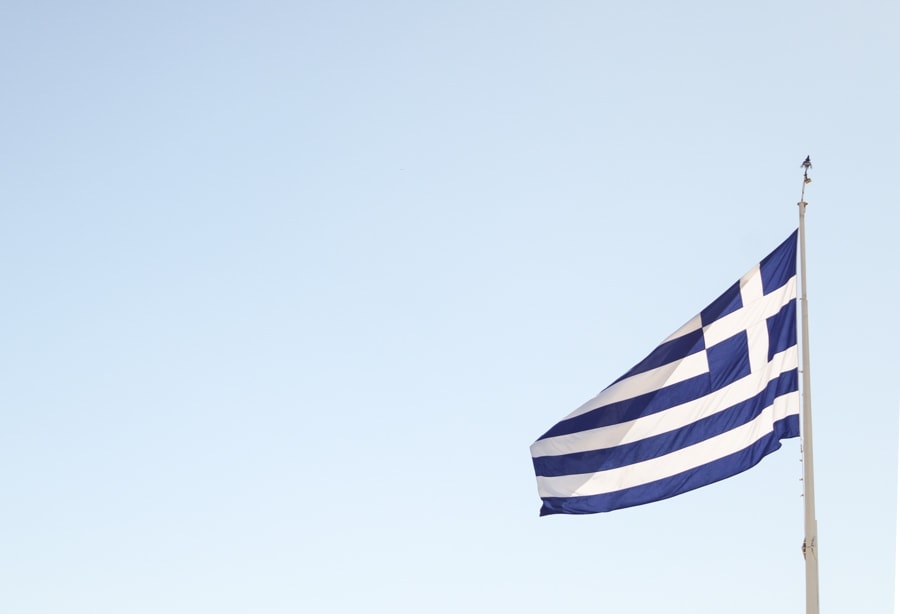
(709,402)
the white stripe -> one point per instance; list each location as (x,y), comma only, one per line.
(690,326)
(712,449)
(648,381)
(671,419)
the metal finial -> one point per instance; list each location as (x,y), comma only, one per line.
(807,164)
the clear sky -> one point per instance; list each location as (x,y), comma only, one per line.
(289,288)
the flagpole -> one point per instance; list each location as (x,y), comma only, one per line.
(810,540)
(897,544)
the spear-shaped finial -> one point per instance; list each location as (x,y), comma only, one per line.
(805,166)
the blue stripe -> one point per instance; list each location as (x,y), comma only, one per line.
(683,482)
(665,443)
(632,409)
(669,352)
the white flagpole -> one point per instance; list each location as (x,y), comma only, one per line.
(810,540)
(897,543)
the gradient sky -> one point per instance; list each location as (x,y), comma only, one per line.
(290,288)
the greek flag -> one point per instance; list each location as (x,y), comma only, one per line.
(709,402)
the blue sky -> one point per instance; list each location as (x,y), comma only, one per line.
(291,287)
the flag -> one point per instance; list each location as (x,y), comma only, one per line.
(709,402)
